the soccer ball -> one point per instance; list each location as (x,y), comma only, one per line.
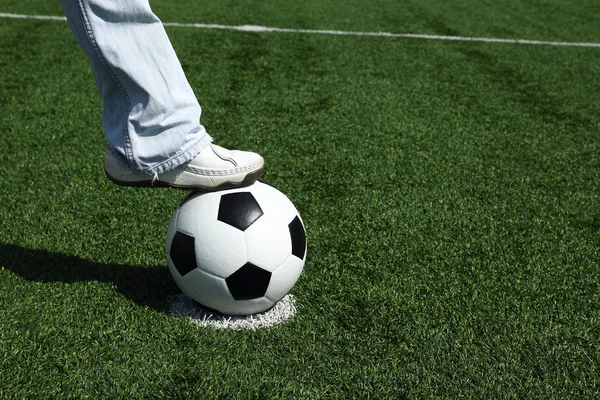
(238,251)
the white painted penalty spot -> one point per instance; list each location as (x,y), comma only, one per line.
(185,307)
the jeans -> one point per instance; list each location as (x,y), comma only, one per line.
(150,114)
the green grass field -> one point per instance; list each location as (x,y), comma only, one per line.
(450,190)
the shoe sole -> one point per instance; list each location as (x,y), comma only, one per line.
(155,183)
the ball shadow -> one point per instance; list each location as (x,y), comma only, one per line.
(148,287)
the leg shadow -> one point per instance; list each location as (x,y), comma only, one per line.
(145,286)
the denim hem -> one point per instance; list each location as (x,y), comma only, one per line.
(180,158)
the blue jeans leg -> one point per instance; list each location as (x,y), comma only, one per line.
(150,113)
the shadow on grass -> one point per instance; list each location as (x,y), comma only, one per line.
(145,286)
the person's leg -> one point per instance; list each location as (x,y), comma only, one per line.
(151,117)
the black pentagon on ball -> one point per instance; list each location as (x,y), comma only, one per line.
(239,210)
(249,282)
(182,253)
(298,235)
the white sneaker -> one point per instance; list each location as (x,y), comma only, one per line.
(214,168)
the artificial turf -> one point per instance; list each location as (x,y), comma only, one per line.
(450,190)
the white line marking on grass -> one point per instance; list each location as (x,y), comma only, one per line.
(256,28)
(23,16)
